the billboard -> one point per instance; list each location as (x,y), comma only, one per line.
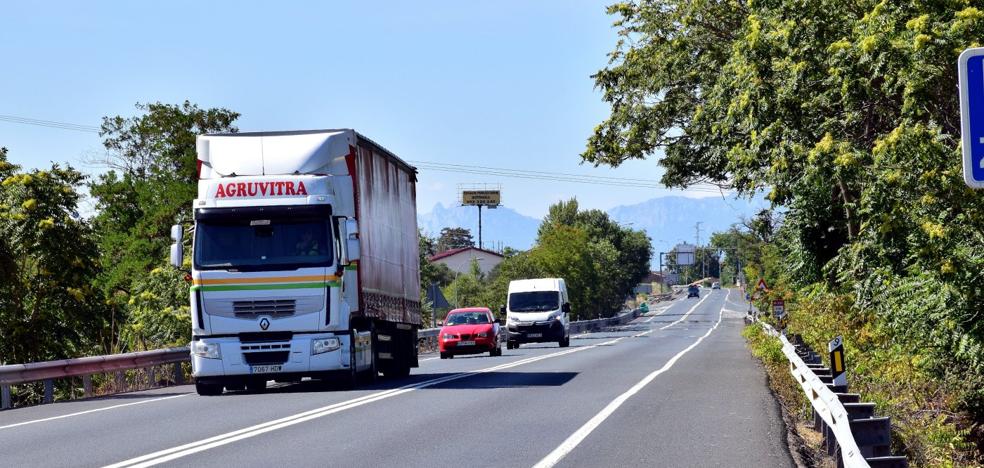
(480,197)
(686,254)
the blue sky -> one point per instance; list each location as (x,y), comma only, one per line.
(492,83)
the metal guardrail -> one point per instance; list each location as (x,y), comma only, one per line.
(851,432)
(826,405)
(85,367)
(48,371)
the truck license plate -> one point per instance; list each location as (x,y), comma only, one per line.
(266,369)
(534,335)
(466,343)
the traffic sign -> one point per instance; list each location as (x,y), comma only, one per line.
(779,307)
(761,285)
(970,71)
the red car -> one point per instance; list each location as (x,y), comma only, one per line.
(469,331)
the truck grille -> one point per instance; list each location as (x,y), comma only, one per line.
(276,308)
(277,357)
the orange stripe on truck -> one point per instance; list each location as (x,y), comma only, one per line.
(277,279)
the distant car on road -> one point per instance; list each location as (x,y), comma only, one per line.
(469,331)
(715,285)
(693,291)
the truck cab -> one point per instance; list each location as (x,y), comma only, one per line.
(537,311)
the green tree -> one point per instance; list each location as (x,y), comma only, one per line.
(454,238)
(48,258)
(845,112)
(151,184)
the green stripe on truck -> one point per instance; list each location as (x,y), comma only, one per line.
(265,287)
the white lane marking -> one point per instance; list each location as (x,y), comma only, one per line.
(692,309)
(274,386)
(252,431)
(657,314)
(578,436)
(91,411)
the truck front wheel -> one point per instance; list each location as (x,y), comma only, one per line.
(208,389)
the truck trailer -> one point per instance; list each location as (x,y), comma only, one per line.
(304,260)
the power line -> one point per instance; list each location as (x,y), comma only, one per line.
(550,174)
(614,182)
(434,166)
(49,123)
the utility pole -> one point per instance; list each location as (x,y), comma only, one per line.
(697,250)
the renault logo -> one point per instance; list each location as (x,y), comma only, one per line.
(264,323)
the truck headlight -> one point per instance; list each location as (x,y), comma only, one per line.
(324,345)
(206,350)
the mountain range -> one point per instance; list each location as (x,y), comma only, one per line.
(667,220)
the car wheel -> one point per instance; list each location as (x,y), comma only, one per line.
(565,342)
(445,355)
(208,389)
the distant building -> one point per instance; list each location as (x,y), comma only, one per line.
(650,283)
(459,260)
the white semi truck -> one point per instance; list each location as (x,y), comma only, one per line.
(304,260)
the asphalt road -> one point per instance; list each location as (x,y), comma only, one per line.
(676,387)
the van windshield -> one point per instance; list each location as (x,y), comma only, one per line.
(262,244)
(534,301)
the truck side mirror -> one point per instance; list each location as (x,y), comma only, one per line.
(352,239)
(177,233)
(177,248)
(566,308)
(502,310)
(177,254)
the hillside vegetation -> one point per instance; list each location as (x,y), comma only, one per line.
(845,114)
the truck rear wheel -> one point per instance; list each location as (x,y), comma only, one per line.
(397,372)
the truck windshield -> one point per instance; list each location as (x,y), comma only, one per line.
(262,244)
(534,301)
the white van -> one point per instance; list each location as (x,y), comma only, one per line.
(537,311)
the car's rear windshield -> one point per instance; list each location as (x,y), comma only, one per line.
(534,301)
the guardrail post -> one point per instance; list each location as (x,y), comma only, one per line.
(873,436)
(179,374)
(49,391)
(87,385)
(120,381)
(151,376)
(5,397)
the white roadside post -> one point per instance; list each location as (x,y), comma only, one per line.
(970,72)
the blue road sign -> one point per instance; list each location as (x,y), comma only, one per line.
(970,67)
